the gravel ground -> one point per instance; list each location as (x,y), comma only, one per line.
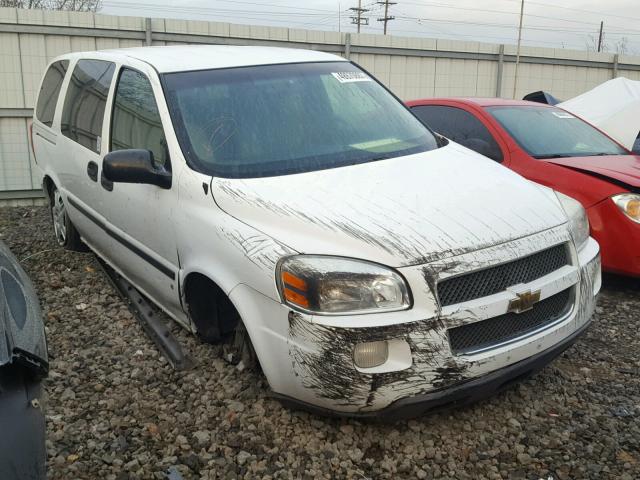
(116,409)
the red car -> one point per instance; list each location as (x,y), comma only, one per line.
(554,148)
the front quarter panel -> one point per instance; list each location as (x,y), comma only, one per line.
(220,246)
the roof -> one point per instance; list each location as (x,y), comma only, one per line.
(479,101)
(180,58)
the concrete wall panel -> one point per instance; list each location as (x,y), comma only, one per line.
(11,93)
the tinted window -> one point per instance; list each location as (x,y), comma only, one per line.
(460,126)
(136,121)
(84,104)
(49,91)
(282,119)
(636,145)
(549,132)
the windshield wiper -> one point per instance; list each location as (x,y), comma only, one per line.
(553,155)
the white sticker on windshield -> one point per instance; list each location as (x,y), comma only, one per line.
(563,115)
(348,77)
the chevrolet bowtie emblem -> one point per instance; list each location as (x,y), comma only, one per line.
(524,301)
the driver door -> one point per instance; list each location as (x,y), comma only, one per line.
(139,216)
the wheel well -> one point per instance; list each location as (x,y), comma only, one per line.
(209,308)
(48,185)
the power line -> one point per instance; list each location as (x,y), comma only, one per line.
(546,28)
(502,12)
(319,18)
(581,10)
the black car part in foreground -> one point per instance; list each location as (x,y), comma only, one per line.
(23,364)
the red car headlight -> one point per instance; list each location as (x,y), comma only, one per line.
(629,204)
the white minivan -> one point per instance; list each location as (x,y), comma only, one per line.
(286,198)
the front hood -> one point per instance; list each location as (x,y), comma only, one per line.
(398,212)
(622,168)
(22,336)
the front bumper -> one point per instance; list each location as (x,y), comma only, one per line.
(456,396)
(309,359)
(617,236)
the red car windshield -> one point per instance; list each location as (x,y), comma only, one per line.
(548,132)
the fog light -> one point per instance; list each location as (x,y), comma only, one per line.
(370,354)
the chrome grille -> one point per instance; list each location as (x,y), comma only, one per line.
(492,280)
(485,333)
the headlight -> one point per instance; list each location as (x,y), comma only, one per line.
(629,203)
(578,222)
(337,286)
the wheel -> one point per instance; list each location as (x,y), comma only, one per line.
(66,234)
(238,350)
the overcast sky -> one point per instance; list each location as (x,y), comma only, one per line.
(547,23)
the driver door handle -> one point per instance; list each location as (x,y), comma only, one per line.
(92,171)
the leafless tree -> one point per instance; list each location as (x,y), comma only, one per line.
(621,46)
(592,43)
(73,5)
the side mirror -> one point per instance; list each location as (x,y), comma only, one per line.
(135,166)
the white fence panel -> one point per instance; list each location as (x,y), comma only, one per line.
(410,67)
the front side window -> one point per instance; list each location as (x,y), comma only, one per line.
(460,126)
(136,121)
(549,132)
(284,119)
(50,90)
(84,104)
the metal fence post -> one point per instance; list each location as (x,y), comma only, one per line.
(147,32)
(500,68)
(347,45)
(615,65)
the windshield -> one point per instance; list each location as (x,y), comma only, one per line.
(548,132)
(292,118)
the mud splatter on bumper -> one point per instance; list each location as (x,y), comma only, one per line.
(322,355)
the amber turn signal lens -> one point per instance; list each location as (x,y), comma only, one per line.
(293,281)
(295,297)
(633,208)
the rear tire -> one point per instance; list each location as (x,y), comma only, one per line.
(64,231)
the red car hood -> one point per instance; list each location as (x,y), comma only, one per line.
(623,168)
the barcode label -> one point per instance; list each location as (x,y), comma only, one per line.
(348,77)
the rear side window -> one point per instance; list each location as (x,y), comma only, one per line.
(49,91)
(461,127)
(84,104)
(136,121)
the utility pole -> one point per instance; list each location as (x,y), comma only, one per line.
(600,36)
(515,75)
(386,17)
(359,19)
